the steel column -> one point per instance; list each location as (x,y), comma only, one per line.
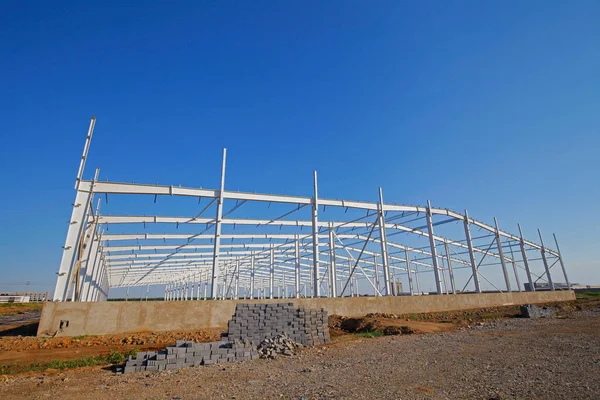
(525,261)
(252,275)
(376,268)
(297,266)
(501,254)
(315,238)
(434,259)
(450,271)
(471,254)
(514,266)
(219,218)
(271,271)
(332,267)
(546,267)
(562,265)
(236,294)
(384,248)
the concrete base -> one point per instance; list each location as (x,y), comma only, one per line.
(109,317)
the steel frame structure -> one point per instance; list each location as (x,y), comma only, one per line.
(335,259)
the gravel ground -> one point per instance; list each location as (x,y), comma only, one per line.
(507,359)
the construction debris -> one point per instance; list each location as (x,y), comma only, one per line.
(533,311)
(280,344)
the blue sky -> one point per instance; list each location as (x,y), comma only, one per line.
(491,106)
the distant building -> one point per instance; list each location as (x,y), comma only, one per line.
(563,286)
(23,297)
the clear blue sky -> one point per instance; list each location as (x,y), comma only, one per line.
(493,106)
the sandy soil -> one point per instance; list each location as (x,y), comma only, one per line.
(506,359)
(25,350)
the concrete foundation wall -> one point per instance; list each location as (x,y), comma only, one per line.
(108,317)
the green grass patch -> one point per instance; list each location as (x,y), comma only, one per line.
(588,295)
(490,316)
(114,358)
(371,334)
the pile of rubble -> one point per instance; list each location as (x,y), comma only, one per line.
(280,344)
(533,311)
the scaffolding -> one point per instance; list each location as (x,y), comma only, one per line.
(298,247)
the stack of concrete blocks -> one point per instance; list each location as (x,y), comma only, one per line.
(251,324)
(315,326)
(189,353)
(258,322)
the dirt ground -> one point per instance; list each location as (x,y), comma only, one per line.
(23,350)
(485,353)
(503,359)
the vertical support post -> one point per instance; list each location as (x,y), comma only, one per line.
(236,295)
(215,266)
(252,272)
(97,265)
(315,238)
(417,279)
(198,284)
(89,257)
(206,288)
(76,229)
(471,254)
(434,259)
(376,268)
(443,274)
(284,288)
(501,254)
(271,271)
(297,259)
(91,266)
(224,288)
(76,226)
(450,271)
(332,267)
(562,265)
(546,267)
(409,272)
(127,294)
(384,248)
(514,267)
(525,261)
